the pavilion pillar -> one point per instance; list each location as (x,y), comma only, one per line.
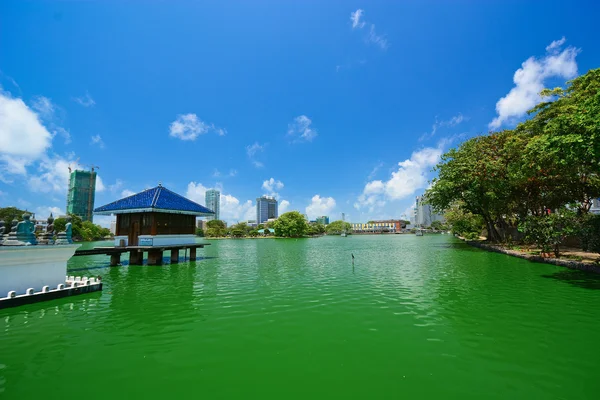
(115,259)
(155,257)
(192,254)
(136,257)
(174,256)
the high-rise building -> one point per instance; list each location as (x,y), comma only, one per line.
(424,214)
(323,220)
(266,208)
(82,193)
(213,202)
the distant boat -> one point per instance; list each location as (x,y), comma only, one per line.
(419,232)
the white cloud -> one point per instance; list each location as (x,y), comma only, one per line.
(127,193)
(232,209)
(189,127)
(43,212)
(301,129)
(103,220)
(455,120)
(86,100)
(62,132)
(410,176)
(253,150)
(375,170)
(99,184)
(196,192)
(232,172)
(97,140)
(271,185)
(372,36)
(376,39)
(355,18)
(556,44)
(530,80)
(320,206)
(284,205)
(21,132)
(53,175)
(43,106)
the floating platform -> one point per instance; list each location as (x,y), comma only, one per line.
(136,253)
(73,286)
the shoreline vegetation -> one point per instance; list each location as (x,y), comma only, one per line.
(529,190)
(289,225)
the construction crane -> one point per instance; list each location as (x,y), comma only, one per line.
(75,162)
(93,166)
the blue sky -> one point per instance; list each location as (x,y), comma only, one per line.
(332,106)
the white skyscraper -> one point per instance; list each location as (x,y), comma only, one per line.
(213,202)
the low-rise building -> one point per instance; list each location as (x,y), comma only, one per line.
(385,226)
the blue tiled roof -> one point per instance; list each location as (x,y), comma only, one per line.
(155,199)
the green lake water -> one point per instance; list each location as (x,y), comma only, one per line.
(414,318)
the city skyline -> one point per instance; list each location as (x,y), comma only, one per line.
(331,109)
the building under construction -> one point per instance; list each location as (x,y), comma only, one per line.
(82,193)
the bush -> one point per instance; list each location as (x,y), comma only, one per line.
(549,231)
(590,233)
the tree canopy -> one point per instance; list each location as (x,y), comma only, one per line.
(8,214)
(547,162)
(337,227)
(290,224)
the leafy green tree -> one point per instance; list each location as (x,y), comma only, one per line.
(216,228)
(549,231)
(590,233)
(260,226)
(253,233)
(290,224)
(8,214)
(336,227)
(200,232)
(464,223)
(238,232)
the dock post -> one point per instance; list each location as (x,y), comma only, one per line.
(115,258)
(192,254)
(136,257)
(174,256)
(155,257)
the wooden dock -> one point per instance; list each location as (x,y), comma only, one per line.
(136,253)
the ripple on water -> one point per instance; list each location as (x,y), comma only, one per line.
(424,316)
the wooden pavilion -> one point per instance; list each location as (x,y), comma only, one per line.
(155,219)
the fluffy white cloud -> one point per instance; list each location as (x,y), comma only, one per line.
(301,129)
(21,132)
(410,176)
(529,82)
(232,209)
(355,18)
(320,206)
(189,127)
(284,205)
(97,140)
(127,193)
(86,100)
(556,44)
(271,185)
